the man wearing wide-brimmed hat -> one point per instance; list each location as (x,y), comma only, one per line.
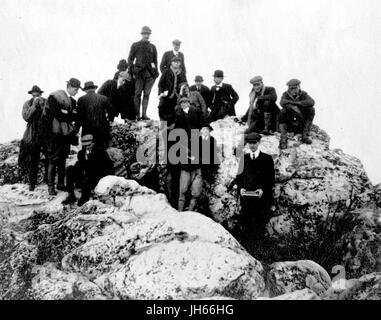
(60,134)
(255,181)
(223,98)
(31,144)
(94,114)
(93,164)
(297,113)
(201,89)
(167,57)
(142,62)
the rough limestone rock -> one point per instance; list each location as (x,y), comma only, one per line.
(287,277)
(135,246)
(305,294)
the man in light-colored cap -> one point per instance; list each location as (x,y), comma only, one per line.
(93,164)
(262,114)
(142,62)
(167,57)
(297,113)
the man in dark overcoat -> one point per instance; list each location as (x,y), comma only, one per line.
(142,62)
(201,89)
(223,98)
(255,182)
(93,115)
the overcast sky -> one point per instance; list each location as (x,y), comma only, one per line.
(332,46)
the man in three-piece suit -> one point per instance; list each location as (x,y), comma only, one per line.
(167,57)
(223,98)
(201,89)
(255,182)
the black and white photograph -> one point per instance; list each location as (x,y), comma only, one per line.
(209,152)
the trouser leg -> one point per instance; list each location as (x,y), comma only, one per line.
(148,84)
(173,186)
(185,180)
(196,188)
(309,115)
(89,183)
(51,177)
(139,85)
(283,129)
(33,169)
(61,167)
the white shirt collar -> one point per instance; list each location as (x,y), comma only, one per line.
(219,85)
(176,53)
(255,154)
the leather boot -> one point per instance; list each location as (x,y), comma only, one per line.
(61,166)
(192,204)
(283,136)
(51,179)
(71,198)
(267,120)
(306,132)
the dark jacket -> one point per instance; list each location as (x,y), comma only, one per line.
(142,55)
(97,165)
(167,58)
(93,115)
(204,91)
(223,101)
(122,98)
(167,81)
(269,95)
(257,174)
(302,100)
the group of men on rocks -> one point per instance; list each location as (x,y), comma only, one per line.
(54,123)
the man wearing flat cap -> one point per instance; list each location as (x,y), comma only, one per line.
(167,57)
(60,114)
(169,89)
(32,143)
(122,66)
(255,182)
(142,62)
(201,89)
(263,112)
(297,111)
(93,164)
(223,98)
(94,115)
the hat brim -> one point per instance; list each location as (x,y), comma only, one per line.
(30,92)
(89,88)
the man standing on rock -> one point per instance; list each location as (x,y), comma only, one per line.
(142,62)
(262,114)
(93,164)
(224,98)
(93,115)
(31,144)
(167,57)
(298,107)
(255,182)
(60,113)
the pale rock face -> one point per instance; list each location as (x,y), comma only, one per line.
(305,294)
(286,277)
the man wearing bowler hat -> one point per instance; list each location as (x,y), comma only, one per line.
(297,113)
(167,57)
(255,182)
(223,98)
(60,133)
(201,89)
(94,114)
(93,164)
(142,62)
(263,112)
(32,143)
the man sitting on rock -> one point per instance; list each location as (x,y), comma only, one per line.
(93,164)
(298,109)
(255,182)
(262,115)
